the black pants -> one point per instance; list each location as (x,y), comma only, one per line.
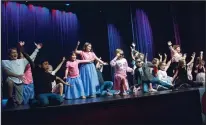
(187,83)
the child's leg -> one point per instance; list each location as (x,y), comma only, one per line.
(145,87)
(58,89)
(10,87)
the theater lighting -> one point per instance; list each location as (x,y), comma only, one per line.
(67,4)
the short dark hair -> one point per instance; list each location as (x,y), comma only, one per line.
(41,61)
(9,51)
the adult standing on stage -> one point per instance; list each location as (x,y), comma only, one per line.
(88,71)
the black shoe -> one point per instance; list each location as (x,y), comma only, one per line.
(11,103)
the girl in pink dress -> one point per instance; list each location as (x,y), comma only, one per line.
(120,76)
(88,71)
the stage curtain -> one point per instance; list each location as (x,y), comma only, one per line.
(57,30)
(115,42)
(142,33)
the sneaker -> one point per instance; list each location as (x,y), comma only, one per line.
(161,88)
(92,96)
(152,90)
(83,97)
(109,94)
(117,92)
(124,93)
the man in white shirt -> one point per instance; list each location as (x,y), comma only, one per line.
(14,69)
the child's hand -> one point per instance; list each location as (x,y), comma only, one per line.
(160,55)
(21,43)
(165,54)
(193,55)
(39,45)
(78,43)
(118,55)
(63,59)
(65,77)
(105,63)
(169,43)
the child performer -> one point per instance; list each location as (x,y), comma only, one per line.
(72,76)
(121,68)
(57,88)
(28,91)
(14,69)
(181,75)
(88,71)
(200,69)
(162,73)
(105,86)
(176,55)
(42,83)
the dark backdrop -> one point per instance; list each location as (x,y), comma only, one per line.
(94,16)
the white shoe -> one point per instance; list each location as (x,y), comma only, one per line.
(117,92)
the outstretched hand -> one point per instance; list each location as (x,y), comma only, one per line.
(193,55)
(160,55)
(78,43)
(21,43)
(105,63)
(165,54)
(169,43)
(39,45)
(63,59)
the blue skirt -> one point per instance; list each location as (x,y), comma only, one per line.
(28,92)
(89,78)
(76,90)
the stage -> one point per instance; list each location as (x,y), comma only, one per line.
(165,107)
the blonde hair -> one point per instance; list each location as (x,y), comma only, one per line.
(176,46)
(119,51)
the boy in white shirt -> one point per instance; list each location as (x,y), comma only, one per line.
(14,69)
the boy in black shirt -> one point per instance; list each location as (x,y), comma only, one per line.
(42,83)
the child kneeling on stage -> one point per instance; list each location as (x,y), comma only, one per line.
(42,84)
(105,88)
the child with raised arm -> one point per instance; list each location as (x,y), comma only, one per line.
(181,75)
(42,83)
(162,73)
(14,68)
(121,68)
(88,71)
(200,69)
(176,55)
(57,88)
(72,76)
(28,90)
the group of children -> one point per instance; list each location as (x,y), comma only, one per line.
(39,85)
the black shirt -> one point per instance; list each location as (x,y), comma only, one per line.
(100,77)
(42,81)
(182,73)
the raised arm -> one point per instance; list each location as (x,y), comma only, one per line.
(165,59)
(146,55)
(192,59)
(160,57)
(99,66)
(34,54)
(132,54)
(168,65)
(201,55)
(170,47)
(76,49)
(60,65)
(113,62)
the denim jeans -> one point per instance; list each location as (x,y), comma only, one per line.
(49,99)
(154,81)
(106,86)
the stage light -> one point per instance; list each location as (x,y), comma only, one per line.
(67,4)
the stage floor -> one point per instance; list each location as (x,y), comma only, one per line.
(138,94)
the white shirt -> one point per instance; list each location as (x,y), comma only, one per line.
(17,66)
(54,82)
(162,75)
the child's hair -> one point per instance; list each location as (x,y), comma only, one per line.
(181,63)
(139,55)
(155,61)
(41,61)
(120,51)
(85,46)
(10,50)
(161,63)
(175,46)
(135,52)
(70,54)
